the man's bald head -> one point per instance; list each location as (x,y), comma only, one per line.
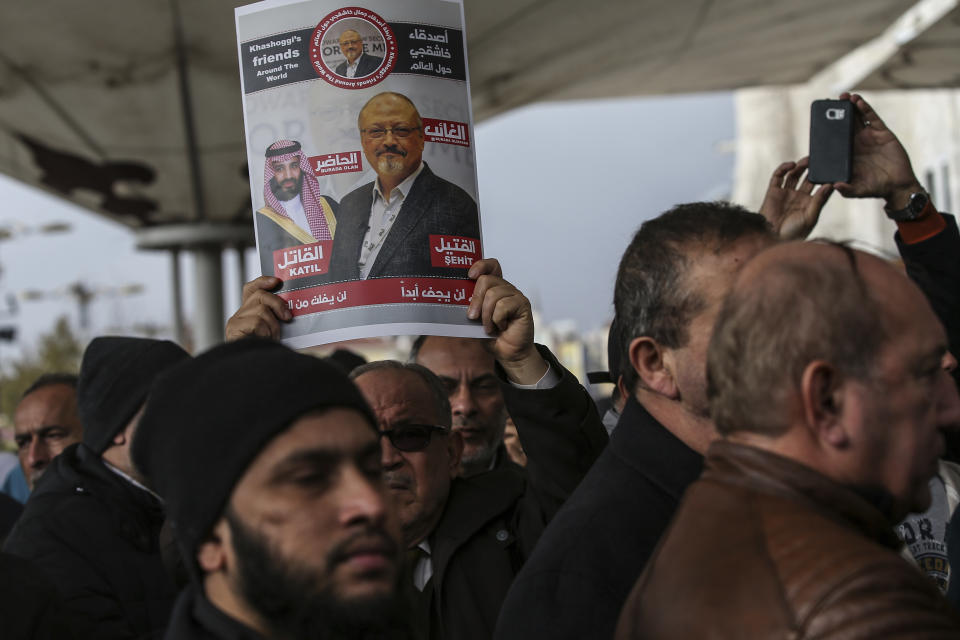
(389,101)
(833,358)
(791,305)
(391,134)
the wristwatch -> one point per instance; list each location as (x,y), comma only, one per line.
(915,206)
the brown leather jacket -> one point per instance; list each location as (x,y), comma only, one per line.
(764,547)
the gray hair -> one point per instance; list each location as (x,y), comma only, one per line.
(772,327)
(437,389)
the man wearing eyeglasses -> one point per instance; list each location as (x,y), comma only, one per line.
(468,537)
(357,64)
(384,226)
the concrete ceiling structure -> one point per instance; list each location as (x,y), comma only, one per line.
(930,60)
(133,110)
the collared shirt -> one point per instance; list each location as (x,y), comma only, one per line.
(352,68)
(548,380)
(131,480)
(424,569)
(382,216)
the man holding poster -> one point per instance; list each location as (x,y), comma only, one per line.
(407,230)
(386,225)
(295,212)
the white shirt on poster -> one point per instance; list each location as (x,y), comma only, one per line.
(352,68)
(294,209)
(383,213)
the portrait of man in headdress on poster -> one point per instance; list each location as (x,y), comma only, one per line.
(294,212)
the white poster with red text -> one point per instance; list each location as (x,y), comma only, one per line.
(359,138)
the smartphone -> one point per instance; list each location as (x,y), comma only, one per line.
(831,141)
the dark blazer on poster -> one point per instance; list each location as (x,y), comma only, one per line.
(275,232)
(434,206)
(367,65)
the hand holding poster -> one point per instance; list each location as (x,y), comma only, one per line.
(367,204)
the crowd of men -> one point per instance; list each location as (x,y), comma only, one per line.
(775,463)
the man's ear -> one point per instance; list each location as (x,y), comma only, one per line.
(120,439)
(455,450)
(212,556)
(822,397)
(654,366)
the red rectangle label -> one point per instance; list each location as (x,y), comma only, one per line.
(359,293)
(302,261)
(345,162)
(446,132)
(455,252)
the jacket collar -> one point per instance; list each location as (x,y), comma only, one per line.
(196,618)
(769,473)
(641,442)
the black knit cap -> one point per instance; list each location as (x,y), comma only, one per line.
(115,376)
(207,419)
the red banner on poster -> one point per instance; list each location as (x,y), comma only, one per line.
(453,251)
(446,131)
(303,260)
(346,162)
(360,293)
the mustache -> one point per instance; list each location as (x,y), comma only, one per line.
(397,480)
(371,538)
(391,148)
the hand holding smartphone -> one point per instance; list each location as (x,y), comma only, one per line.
(831,141)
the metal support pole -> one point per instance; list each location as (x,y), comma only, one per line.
(208,300)
(179,335)
(242,265)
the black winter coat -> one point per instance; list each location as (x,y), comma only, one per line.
(934,264)
(94,535)
(584,566)
(194,618)
(492,520)
(30,607)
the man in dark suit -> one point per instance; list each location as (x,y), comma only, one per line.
(358,63)
(671,280)
(295,211)
(384,226)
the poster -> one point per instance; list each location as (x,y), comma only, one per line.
(359,138)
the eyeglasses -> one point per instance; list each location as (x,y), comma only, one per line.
(344,43)
(411,437)
(398,132)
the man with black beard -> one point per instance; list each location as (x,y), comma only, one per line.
(278,503)
(294,211)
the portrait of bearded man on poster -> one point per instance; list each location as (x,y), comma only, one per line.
(295,211)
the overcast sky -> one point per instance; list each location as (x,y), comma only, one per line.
(562,189)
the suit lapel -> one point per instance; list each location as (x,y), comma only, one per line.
(414,207)
(350,236)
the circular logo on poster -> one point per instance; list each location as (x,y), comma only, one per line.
(353,48)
